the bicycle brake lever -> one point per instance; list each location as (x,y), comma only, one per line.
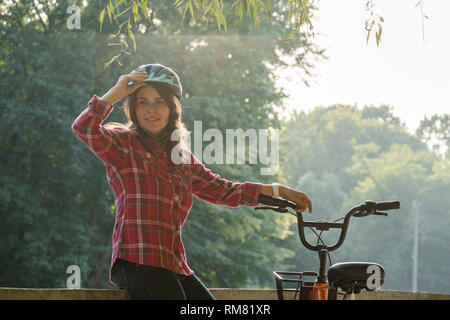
(379,213)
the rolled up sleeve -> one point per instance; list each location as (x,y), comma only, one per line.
(211,187)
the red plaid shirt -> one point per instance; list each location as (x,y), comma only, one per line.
(152,198)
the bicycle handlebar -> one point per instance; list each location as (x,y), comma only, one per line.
(368,208)
(388,205)
(276,202)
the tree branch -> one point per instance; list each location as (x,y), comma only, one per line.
(40,18)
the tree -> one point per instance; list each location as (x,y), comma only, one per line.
(50,218)
(435,132)
(342,156)
(433,235)
(402,174)
(56,206)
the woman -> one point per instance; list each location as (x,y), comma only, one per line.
(153,194)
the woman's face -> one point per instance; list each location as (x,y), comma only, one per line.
(152,111)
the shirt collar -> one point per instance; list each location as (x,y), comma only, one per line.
(159,143)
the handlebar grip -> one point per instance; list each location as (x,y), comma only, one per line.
(388,205)
(270,201)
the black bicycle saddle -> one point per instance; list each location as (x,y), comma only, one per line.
(354,276)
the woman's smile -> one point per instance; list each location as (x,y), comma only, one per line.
(152,119)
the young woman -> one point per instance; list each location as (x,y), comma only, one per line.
(153,193)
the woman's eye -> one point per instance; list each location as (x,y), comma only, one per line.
(144,103)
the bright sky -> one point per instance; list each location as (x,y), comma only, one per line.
(404,72)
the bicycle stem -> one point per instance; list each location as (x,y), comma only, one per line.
(325,226)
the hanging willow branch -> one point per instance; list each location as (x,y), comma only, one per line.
(127,13)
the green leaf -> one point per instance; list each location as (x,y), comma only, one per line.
(224,22)
(178,3)
(125,51)
(217,19)
(136,16)
(112,60)
(191,9)
(241,11)
(291,35)
(112,36)
(108,10)
(102,15)
(130,33)
(206,10)
(380,30)
(186,7)
(144,8)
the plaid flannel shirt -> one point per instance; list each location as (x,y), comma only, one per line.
(152,198)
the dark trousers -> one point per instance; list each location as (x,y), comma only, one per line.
(152,283)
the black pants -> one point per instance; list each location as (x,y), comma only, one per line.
(145,283)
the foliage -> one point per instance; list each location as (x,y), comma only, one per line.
(55,211)
(201,13)
(56,206)
(293,14)
(344,156)
(435,131)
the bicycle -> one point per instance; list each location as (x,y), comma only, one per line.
(349,277)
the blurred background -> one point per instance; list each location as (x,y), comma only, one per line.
(357,121)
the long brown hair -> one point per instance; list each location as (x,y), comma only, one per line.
(175,119)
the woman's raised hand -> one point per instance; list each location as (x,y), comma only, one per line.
(121,89)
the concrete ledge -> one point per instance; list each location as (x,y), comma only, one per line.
(219,294)
(62,294)
(271,294)
(401,295)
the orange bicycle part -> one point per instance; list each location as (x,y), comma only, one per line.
(319,291)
